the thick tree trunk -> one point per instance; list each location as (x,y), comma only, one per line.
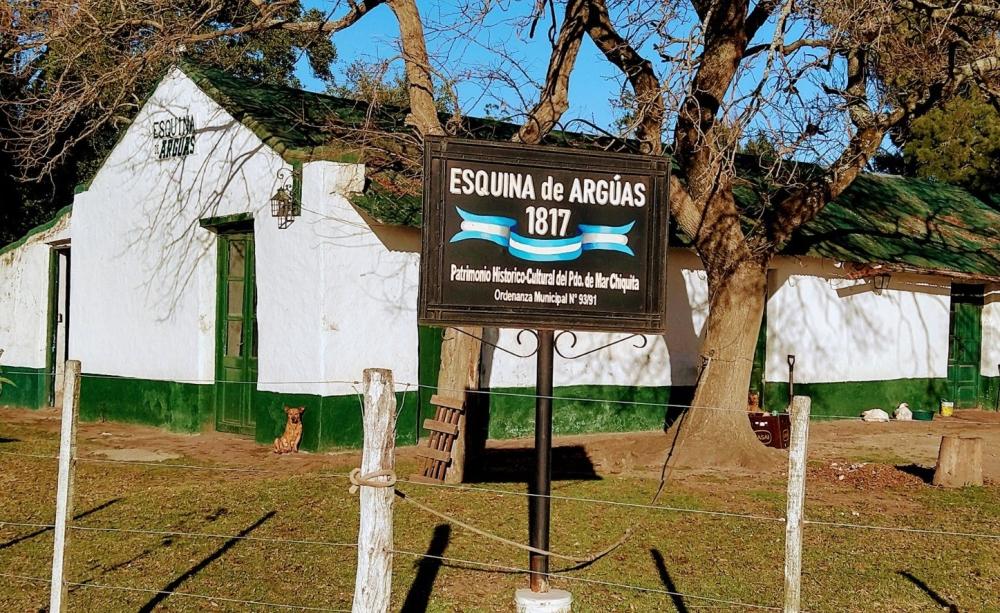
(715,432)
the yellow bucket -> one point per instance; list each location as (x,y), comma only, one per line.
(947,408)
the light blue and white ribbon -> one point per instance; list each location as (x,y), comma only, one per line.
(500,230)
(607,238)
(484,227)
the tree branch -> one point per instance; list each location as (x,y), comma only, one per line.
(759,16)
(790,48)
(639,72)
(801,206)
(420,86)
(554,98)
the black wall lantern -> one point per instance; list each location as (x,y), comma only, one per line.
(286,203)
(880,282)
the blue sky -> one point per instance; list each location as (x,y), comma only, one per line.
(375,36)
(594,81)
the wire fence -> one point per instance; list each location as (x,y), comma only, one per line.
(469,488)
(123,588)
(457,562)
(525,395)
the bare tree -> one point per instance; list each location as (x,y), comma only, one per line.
(824,80)
(831,81)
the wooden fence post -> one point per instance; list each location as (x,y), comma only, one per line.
(64,485)
(796,500)
(373,582)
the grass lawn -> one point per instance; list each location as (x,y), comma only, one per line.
(734,559)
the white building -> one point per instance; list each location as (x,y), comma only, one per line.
(191,307)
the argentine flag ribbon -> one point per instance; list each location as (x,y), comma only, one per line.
(500,230)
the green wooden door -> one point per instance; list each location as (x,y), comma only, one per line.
(965,344)
(236,335)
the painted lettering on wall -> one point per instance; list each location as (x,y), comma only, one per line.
(174,137)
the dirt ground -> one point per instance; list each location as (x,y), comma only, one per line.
(713,535)
(912,444)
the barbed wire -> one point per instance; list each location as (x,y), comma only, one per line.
(562,576)
(462,488)
(123,588)
(901,529)
(181,533)
(615,401)
(234,537)
(25,524)
(634,505)
(561,497)
(607,401)
(30,455)
(469,488)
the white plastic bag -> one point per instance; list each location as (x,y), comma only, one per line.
(903,412)
(875,415)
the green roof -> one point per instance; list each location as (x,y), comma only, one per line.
(48,225)
(301,123)
(914,224)
(285,118)
(911,224)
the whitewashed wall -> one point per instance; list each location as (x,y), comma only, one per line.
(368,289)
(24,295)
(334,297)
(991,332)
(670,359)
(839,330)
(144,272)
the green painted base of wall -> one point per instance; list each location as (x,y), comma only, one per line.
(581,409)
(328,422)
(850,399)
(335,421)
(30,389)
(181,407)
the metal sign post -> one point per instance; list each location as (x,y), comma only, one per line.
(539,505)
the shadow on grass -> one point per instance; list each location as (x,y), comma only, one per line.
(569,462)
(9,440)
(164,592)
(668,582)
(26,537)
(924,473)
(937,598)
(419,595)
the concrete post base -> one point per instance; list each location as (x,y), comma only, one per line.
(552,601)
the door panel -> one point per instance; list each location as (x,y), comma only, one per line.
(965,345)
(236,364)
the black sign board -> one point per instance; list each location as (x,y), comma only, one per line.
(543,237)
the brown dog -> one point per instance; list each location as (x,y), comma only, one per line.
(289,441)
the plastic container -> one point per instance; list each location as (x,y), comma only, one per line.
(923,415)
(947,408)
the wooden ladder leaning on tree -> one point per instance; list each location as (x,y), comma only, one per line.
(436,452)
(442,455)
